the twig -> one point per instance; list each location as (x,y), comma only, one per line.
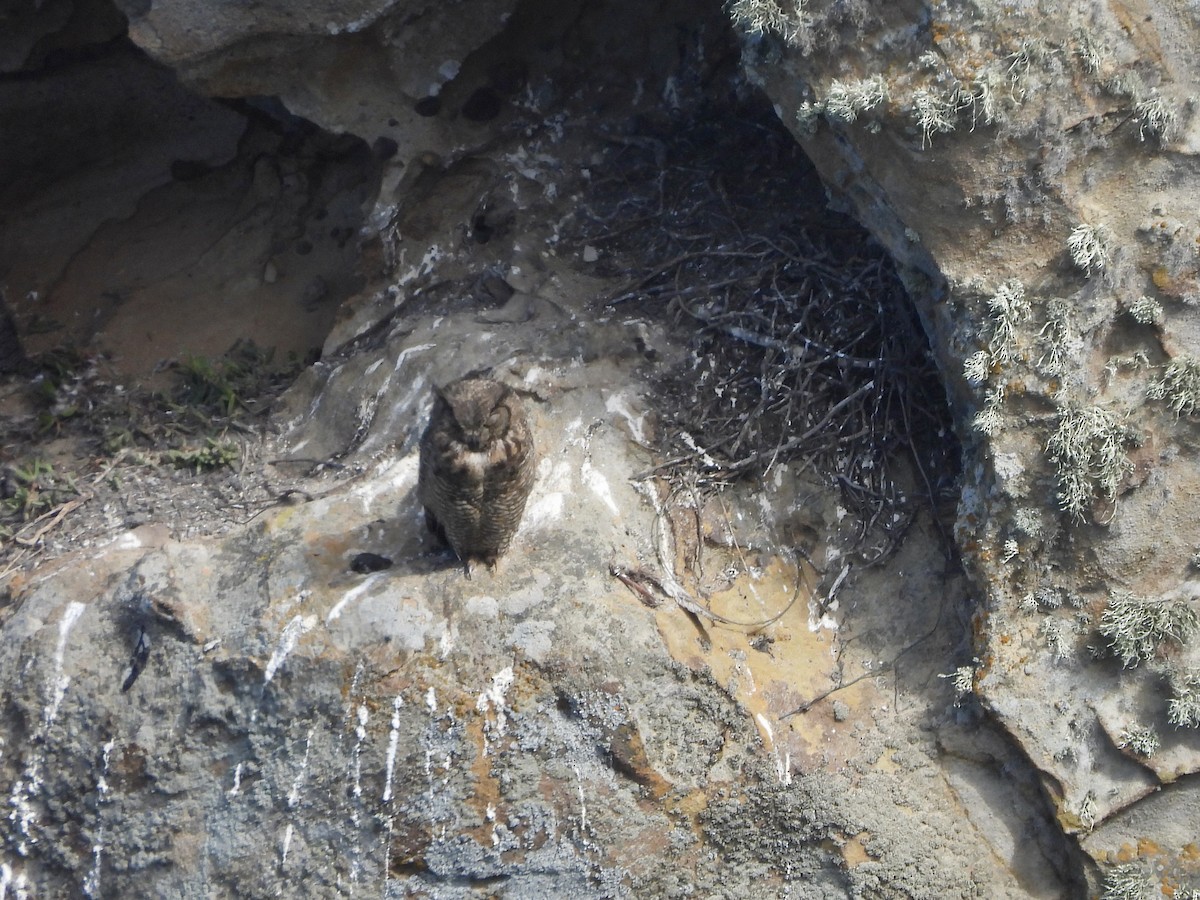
(636,580)
(886,666)
(805,707)
(796,442)
(639,581)
(58,514)
(630,289)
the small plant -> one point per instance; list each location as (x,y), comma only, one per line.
(1135,626)
(207,384)
(1183,709)
(212,455)
(32,489)
(1088,246)
(1146,310)
(847,100)
(1179,385)
(1088,451)
(1142,741)
(221,386)
(1131,881)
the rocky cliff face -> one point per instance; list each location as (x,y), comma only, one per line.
(282,687)
(1035,167)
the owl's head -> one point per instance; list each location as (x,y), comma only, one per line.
(479,409)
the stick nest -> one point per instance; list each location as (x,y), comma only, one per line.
(804,344)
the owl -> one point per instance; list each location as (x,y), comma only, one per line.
(477,467)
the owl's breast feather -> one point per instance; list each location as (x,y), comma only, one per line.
(474,464)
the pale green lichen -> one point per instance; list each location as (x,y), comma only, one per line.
(1044,598)
(1142,741)
(1127,83)
(984,99)
(1132,363)
(1091,52)
(1087,810)
(1008,308)
(962,680)
(1020,60)
(1088,451)
(1155,118)
(1055,337)
(1048,597)
(1056,638)
(1183,708)
(1146,310)
(977,367)
(989,420)
(808,116)
(935,112)
(1135,626)
(1179,385)
(846,100)
(930,61)
(1028,521)
(763,17)
(1088,246)
(1131,881)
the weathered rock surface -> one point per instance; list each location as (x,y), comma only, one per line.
(37,30)
(1051,147)
(146,167)
(244,715)
(288,721)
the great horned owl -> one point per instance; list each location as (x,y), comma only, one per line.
(477,467)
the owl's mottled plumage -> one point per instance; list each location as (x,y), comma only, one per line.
(477,467)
